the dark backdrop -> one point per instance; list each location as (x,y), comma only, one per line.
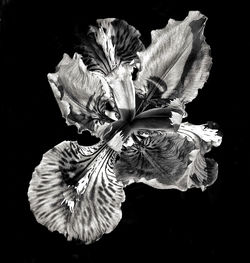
(165,225)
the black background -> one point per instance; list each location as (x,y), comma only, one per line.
(165,225)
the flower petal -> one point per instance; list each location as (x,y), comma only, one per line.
(81,95)
(210,136)
(171,160)
(159,160)
(202,172)
(166,119)
(109,44)
(177,62)
(157,119)
(120,81)
(74,191)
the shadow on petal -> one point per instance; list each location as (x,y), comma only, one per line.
(108,44)
(177,63)
(81,95)
(170,160)
(159,161)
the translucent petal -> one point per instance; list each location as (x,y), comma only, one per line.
(177,63)
(81,95)
(74,191)
(110,43)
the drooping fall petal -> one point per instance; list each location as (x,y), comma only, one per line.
(159,160)
(81,95)
(74,191)
(171,160)
(110,43)
(177,63)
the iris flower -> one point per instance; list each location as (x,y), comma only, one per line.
(133,98)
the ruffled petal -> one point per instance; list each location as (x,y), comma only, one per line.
(81,95)
(210,136)
(168,160)
(202,172)
(110,43)
(177,63)
(74,191)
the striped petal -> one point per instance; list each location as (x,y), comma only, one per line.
(177,63)
(74,191)
(110,43)
(159,160)
(82,96)
(171,160)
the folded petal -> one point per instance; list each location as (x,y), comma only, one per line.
(157,119)
(74,191)
(83,97)
(121,84)
(202,172)
(168,160)
(110,43)
(177,62)
(209,136)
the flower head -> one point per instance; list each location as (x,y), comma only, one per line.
(78,190)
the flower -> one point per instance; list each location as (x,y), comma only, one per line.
(78,190)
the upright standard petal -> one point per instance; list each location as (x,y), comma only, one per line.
(121,84)
(177,62)
(81,95)
(74,191)
(110,43)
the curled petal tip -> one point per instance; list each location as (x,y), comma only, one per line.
(81,95)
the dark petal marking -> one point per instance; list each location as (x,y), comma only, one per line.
(76,209)
(84,98)
(172,161)
(108,44)
(161,158)
(178,59)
